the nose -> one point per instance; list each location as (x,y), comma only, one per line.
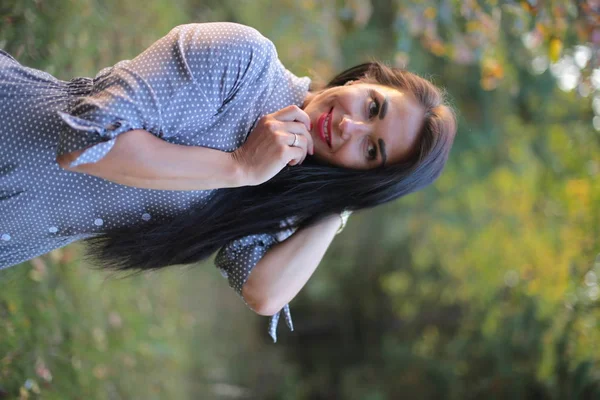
(350,127)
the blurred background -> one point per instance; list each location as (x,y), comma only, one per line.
(484,285)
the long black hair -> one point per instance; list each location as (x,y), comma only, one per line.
(307,192)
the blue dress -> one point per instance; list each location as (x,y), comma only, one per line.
(200,85)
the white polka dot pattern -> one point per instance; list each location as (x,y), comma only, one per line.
(200,85)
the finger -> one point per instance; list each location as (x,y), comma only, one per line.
(288,139)
(288,129)
(301,143)
(300,129)
(295,156)
(292,113)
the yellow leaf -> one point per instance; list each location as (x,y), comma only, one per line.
(541,28)
(554,49)
(530,7)
(488,83)
(35,275)
(437,48)
(23,393)
(11,307)
(430,13)
(473,26)
(578,192)
(491,68)
(308,4)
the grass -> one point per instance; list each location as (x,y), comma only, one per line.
(68,331)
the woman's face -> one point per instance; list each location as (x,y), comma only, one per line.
(363,125)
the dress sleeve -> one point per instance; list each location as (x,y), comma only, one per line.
(237,259)
(177,86)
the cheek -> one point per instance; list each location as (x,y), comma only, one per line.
(320,147)
(324,156)
(321,151)
(347,156)
(351,156)
(344,157)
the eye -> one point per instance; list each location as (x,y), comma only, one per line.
(373,108)
(373,105)
(371,151)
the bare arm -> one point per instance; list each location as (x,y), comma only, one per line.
(287,266)
(140,159)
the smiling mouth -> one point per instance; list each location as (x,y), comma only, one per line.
(325,126)
(326,129)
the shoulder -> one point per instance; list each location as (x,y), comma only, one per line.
(224,35)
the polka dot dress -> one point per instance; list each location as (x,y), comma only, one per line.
(200,85)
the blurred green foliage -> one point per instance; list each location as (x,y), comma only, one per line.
(484,285)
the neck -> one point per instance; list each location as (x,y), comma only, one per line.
(307,99)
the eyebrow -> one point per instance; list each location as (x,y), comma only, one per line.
(383,153)
(383,109)
(382,112)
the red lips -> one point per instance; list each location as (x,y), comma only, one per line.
(320,127)
(320,122)
(329,127)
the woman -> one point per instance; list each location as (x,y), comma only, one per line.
(206,142)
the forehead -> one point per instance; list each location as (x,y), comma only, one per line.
(401,124)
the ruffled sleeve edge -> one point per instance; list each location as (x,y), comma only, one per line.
(106,133)
(273,320)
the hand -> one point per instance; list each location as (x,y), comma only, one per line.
(268,147)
